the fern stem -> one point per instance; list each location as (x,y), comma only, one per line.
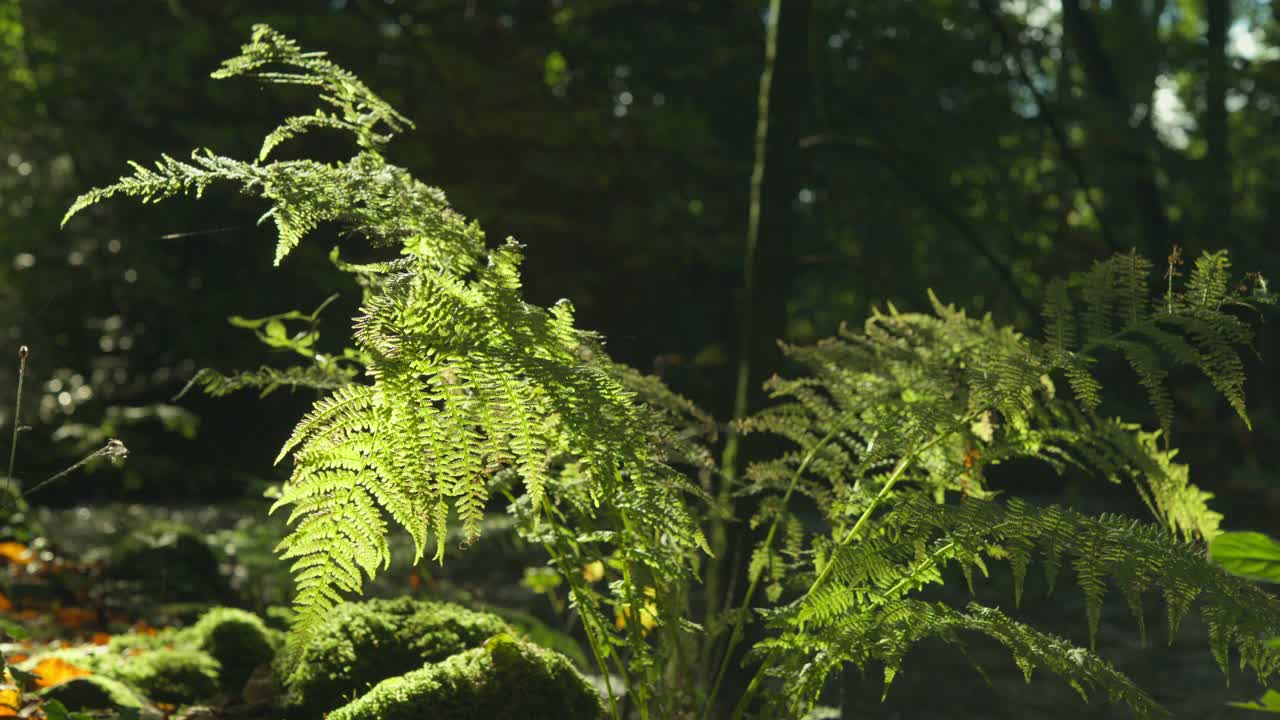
(588,620)
(898,471)
(735,634)
(636,622)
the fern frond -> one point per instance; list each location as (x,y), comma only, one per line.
(886,633)
(359,110)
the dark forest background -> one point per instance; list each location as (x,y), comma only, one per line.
(975,147)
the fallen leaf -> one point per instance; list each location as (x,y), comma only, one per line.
(100,638)
(5,605)
(54,671)
(10,701)
(16,658)
(142,628)
(15,552)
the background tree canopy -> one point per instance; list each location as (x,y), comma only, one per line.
(978,148)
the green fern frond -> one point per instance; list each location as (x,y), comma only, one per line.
(886,633)
(359,109)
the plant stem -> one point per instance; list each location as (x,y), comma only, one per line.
(23,353)
(113,448)
(729,458)
(735,634)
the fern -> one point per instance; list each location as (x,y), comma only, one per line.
(464,379)
(892,423)
(457,393)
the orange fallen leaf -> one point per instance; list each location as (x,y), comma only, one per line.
(15,552)
(27,614)
(54,671)
(142,628)
(5,605)
(15,658)
(100,638)
(166,707)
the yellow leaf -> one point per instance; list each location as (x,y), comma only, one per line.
(593,571)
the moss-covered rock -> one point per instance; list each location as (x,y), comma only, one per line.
(173,676)
(167,561)
(95,692)
(364,643)
(531,628)
(506,679)
(238,640)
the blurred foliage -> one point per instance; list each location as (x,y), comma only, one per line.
(977,148)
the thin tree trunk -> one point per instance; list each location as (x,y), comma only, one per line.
(1218,217)
(1129,148)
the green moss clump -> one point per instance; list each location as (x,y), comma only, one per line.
(174,676)
(95,692)
(238,640)
(363,643)
(506,679)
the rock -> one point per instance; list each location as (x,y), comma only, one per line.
(168,562)
(95,692)
(363,643)
(261,688)
(506,679)
(238,640)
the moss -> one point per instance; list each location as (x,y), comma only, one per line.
(364,643)
(238,640)
(506,679)
(174,676)
(95,692)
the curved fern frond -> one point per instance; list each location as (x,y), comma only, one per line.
(886,633)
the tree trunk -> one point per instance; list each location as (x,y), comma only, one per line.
(1218,197)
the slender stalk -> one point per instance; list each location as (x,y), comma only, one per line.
(10,493)
(729,458)
(735,635)
(113,449)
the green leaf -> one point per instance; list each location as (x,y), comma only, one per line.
(1247,554)
(1269,702)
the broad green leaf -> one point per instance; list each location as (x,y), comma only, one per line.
(1247,554)
(1269,702)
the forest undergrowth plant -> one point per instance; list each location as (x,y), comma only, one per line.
(456,392)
